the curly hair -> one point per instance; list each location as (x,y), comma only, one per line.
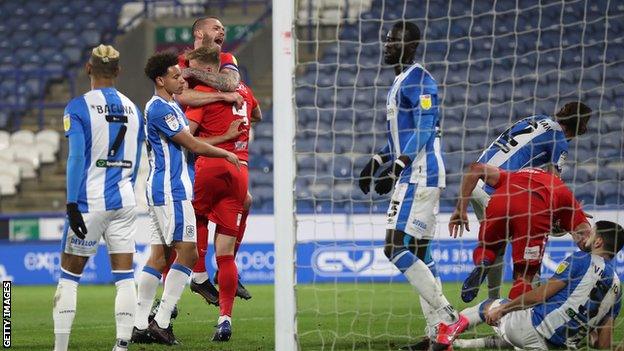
(158,64)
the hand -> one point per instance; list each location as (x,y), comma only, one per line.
(233,159)
(76,223)
(457,223)
(388,177)
(366,176)
(234,98)
(493,315)
(233,130)
(190,72)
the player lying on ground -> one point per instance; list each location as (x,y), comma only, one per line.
(416,162)
(522,210)
(169,194)
(582,298)
(536,141)
(220,191)
(100,194)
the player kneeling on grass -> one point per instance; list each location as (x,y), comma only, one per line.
(169,195)
(105,131)
(522,210)
(582,298)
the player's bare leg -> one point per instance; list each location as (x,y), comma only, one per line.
(200,283)
(228,281)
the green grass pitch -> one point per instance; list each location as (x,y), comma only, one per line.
(362,316)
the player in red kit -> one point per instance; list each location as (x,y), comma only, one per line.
(220,190)
(523,209)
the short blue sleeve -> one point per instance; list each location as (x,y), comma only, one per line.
(74,112)
(165,120)
(573,267)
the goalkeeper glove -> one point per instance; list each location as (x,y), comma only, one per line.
(366,176)
(76,223)
(388,176)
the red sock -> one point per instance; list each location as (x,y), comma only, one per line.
(241,231)
(169,263)
(481,254)
(228,281)
(202,243)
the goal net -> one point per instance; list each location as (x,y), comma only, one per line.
(495,62)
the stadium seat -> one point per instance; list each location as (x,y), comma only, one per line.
(27,158)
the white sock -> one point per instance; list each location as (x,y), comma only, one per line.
(431,316)
(421,278)
(64,309)
(200,277)
(223,319)
(472,313)
(125,304)
(174,287)
(148,283)
(488,342)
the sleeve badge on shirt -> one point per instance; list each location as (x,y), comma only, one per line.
(66,123)
(562,267)
(425,101)
(172,121)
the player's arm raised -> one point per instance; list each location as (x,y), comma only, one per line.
(225,80)
(194,145)
(475,172)
(526,300)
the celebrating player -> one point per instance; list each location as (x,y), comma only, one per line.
(522,210)
(414,149)
(582,298)
(536,141)
(220,191)
(209,31)
(169,193)
(105,131)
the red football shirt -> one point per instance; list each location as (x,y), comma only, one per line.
(566,209)
(215,119)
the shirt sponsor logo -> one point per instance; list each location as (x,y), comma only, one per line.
(172,121)
(101,163)
(425,101)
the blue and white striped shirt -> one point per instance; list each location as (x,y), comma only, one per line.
(171,170)
(591,295)
(414,127)
(110,129)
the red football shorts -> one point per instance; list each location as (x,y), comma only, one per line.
(522,218)
(220,191)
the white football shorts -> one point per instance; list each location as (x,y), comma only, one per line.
(174,221)
(414,210)
(116,227)
(517,329)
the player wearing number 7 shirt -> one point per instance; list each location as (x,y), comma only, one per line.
(220,190)
(535,141)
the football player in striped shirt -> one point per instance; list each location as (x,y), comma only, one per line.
(582,299)
(105,131)
(169,196)
(416,166)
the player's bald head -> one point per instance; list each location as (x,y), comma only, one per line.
(202,21)
(409,30)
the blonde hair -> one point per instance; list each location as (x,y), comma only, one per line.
(205,55)
(104,61)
